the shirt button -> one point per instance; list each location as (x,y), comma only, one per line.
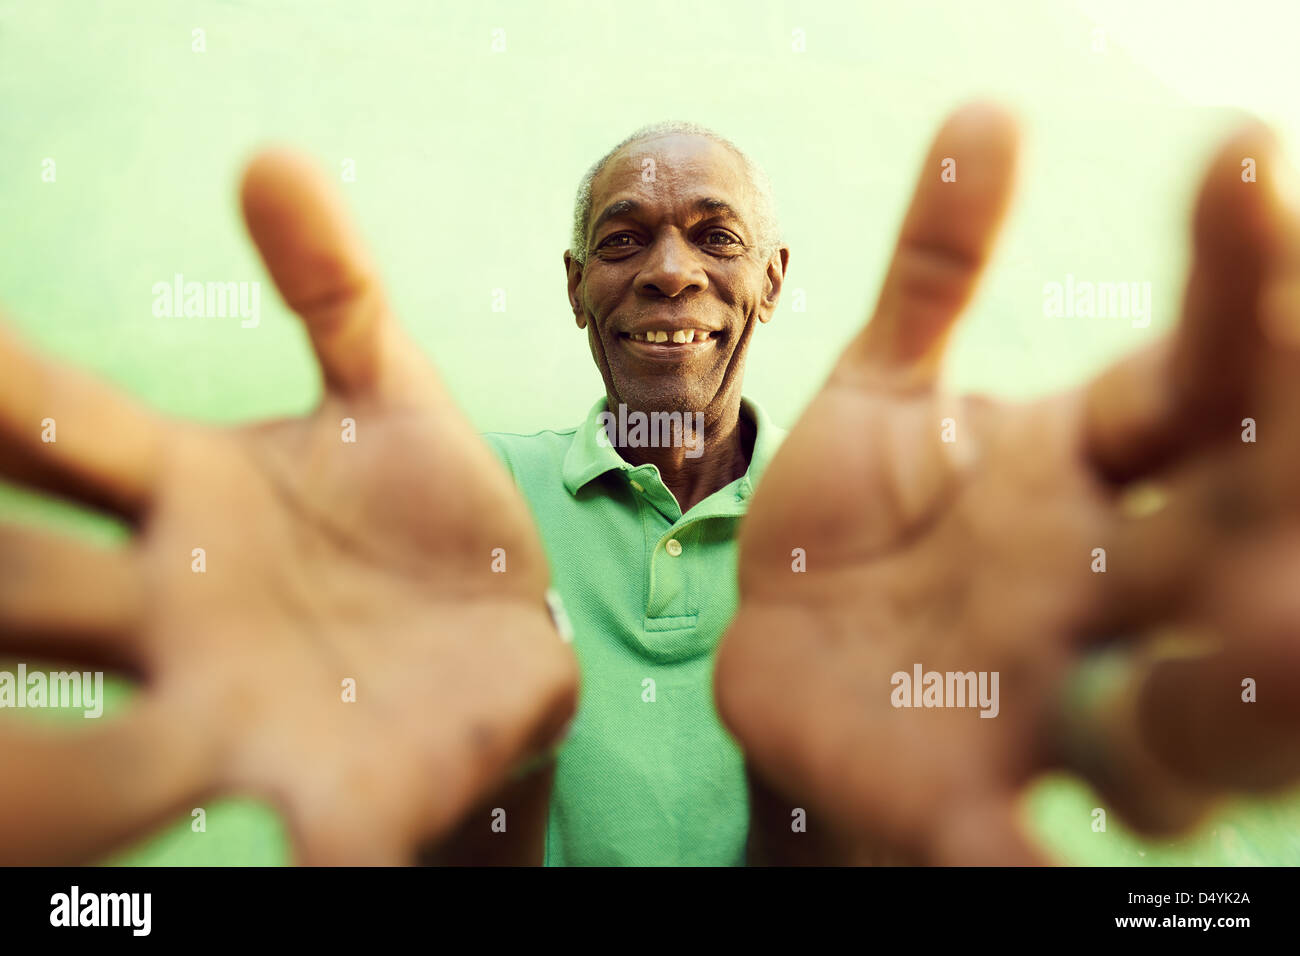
(673,547)
(636,485)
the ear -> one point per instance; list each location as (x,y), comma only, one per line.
(573,272)
(776,266)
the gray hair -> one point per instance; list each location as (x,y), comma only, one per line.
(768,231)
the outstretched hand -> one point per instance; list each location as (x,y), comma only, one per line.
(960,535)
(310,603)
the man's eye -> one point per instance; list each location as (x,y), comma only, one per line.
(720,237)
(616,241)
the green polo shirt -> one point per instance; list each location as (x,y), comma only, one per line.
(647,774)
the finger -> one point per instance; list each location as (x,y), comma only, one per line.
(1181,734)
(1173,542)
(324,274)
(947,234)
(1230,719)
(70,796)
(64,600)
(62,432)
(1146,410)
(1195,717)
(1099,736)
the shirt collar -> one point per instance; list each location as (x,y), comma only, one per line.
(588,458)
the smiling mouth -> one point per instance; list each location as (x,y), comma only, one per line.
(669,342)
(670,336)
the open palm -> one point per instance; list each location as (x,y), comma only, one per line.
(962,535)
(344,613)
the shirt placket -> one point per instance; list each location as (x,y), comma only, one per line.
(674,548)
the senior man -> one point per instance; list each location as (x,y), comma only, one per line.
(359,630)
(673,265)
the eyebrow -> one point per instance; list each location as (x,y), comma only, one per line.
(630,207)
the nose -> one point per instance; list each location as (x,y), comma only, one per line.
(672,268)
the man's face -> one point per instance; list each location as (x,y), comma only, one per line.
(673,254)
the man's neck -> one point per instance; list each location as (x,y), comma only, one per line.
(694,469)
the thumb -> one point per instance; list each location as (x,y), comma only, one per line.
(325,275)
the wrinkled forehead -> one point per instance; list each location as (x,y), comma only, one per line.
(673,169)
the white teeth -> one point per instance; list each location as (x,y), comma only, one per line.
(680,336)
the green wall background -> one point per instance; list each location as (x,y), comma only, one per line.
(466,161)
